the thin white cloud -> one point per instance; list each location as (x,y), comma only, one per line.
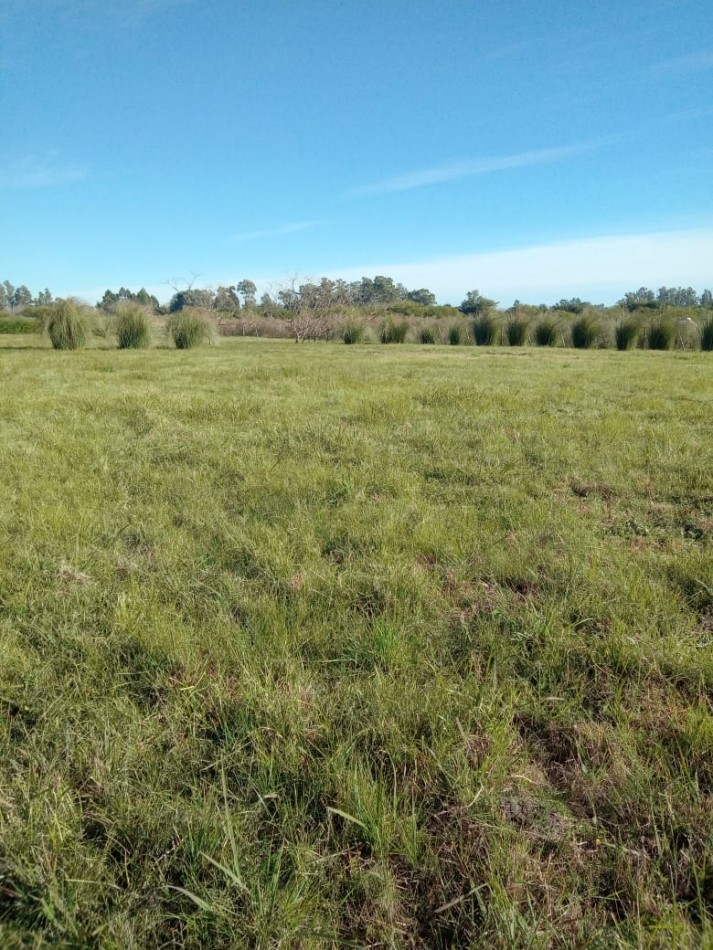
(479,166)
(691,62)
(599,268)
(40,172)
(280,231)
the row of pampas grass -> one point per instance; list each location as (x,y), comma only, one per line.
(69,327)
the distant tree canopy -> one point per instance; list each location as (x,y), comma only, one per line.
(476,303)
(111,300)
(18,298)
(666,297)
(574,305)
(327,295)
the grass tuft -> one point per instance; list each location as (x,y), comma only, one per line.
(427,335)
(393,332)
(585,331)
(707,335)
(485,330)
(546,333)
(188,329)
(353,332)
(516,331)
(456,334)
(67,326)
(627,333)
(661,335)
(133,327)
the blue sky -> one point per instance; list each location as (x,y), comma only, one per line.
(530,149)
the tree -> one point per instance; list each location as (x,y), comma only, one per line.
(248,293)
(44,298)
(193,297)
(226,298)
(707,299)
(4,298)
(574,305)
(422,296)
(475,303)
(643,297)
(677,297)
(8,290)
(21,297)
(111,299)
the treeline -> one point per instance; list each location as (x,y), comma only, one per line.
(328,296)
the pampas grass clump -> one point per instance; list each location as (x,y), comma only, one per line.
(188,329)
(67,326)
(546,333)
(661,335)
(516,332)
(707,335)
(133,329)
(485,330)
(626,334)
(584,333)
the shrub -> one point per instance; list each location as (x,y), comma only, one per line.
(353,332)
(67,326)
(661,335)
(707,335)
(188,329)
(19,325)
(427,335)
(546,333)
(456,334)
(626,334)
(133,329)
(485,330)
(584,333)
(516,331)
(393,332)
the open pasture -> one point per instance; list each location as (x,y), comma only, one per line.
(316,645)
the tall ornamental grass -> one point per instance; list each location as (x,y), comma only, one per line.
(133,328)
(546,333)
(353,332)
(392,332)
(584,333)
(626,334)
(67,326)
(707,335)
(188,329)
(485,330)
(516,332)
(456,334)
(661,335)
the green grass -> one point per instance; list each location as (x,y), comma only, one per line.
(356,646)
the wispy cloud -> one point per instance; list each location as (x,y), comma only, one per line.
(279,231)
(601,268)
(690,63)
(40,172)
(479,166)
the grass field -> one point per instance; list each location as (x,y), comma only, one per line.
(311,646)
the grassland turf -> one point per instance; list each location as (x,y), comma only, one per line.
(316,645)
